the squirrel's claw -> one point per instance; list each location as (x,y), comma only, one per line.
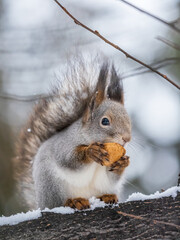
(109,198)
(79,203)
(120,165)
(97,153)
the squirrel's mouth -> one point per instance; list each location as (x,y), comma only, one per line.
(113,140)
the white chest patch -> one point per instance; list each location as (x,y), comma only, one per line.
(92,180)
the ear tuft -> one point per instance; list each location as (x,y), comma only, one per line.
(101,85)
(88,111)
(115,88)
(99,94)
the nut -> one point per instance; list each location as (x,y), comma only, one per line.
(115,150)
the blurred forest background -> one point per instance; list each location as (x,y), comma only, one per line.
(35,38)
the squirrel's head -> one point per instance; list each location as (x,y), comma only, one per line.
(105,118)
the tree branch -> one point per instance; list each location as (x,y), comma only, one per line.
(134,72)
(169,43)
(95,32)
(30,98)
(157,65)
(169,24)
(149,219)
(145,219)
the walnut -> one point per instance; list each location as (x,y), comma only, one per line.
(115,150)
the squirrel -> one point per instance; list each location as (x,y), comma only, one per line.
(60,155)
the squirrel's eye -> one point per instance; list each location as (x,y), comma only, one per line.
(105,122)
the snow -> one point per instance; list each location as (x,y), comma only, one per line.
(94,203)
(62,210)
(169,192)
(21,217)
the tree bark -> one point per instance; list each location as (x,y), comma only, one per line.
(150,219)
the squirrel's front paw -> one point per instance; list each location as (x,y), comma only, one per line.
(96,152)
(120,165)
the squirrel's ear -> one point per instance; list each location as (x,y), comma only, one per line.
(88,112)
(99,94)
(101,85)
(115,88)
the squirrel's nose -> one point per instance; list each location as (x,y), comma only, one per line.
(126,139)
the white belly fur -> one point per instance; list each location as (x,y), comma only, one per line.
(87,182)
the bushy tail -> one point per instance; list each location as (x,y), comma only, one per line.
(66,104)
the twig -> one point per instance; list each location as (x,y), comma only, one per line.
(30,98)
(170,24)
(132,73)
(177,21)
(157,65)
(37,29)
(116,46)
(168,42)
(178,180)
(145,219)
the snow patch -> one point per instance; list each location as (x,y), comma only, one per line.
(21,217)
(94,203)
(62,210)
(169,192)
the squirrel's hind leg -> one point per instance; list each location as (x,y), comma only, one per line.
(79,203)
(109,198)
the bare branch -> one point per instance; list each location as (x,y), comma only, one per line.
(169,43)
(170,24)
(132,73)
(116,46)
(175,22)
(156,65)
(37,29)
(30,98)
(145,219)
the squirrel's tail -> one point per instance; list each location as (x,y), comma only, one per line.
(65,105)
